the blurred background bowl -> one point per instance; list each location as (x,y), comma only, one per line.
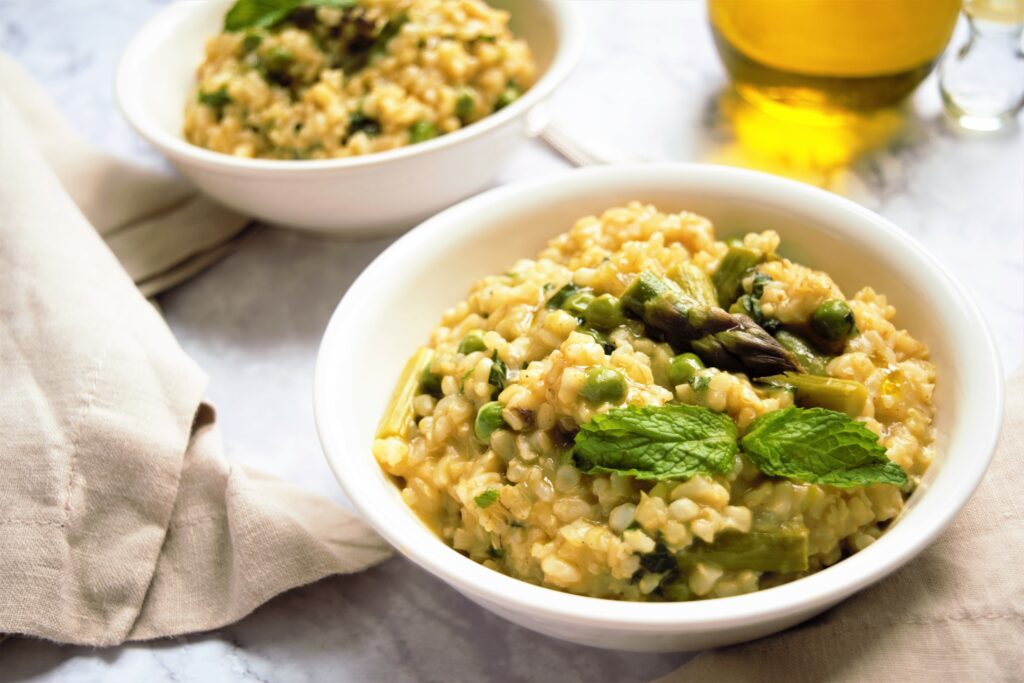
(358,196)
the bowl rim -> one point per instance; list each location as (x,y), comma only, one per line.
(570,33)
(802,596)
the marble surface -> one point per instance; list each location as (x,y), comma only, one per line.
(649,87)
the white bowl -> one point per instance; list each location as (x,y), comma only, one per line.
(357,196)
(399,298)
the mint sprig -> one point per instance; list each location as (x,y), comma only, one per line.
(821,447)
(657,442)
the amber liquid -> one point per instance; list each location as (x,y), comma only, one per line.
(830,56)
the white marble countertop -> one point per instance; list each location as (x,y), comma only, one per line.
(649,87)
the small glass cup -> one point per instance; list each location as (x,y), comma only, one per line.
(982,82)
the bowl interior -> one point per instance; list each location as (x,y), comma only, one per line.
(399,299)
(160,74)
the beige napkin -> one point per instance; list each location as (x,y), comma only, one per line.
(956,613)
(119,517)
(161,230)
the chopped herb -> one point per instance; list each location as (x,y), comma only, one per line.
(487,498)
(387,32)
(659,560)
(657,442)
(819,446)
(561,296)
(358,122)
(498,376)
(216,99)
(251,42)
(275,64)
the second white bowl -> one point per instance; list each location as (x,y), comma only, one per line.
(357,196)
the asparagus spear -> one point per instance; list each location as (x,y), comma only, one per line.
(694,283)
(399,413)
(812,361)
(728,279)
(721,339)
(783,551)
(842,395)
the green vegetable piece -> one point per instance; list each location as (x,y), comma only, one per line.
(821,447)
(251,41)
(833,320)
(683,368)
(728,278)
(430,383)
(488,421)
(498,375)
(275,63)
(603,385)
(577,303)
(360,122)
(782,551)
(422,131)
(464,106)
(659,560)
(398,416)
(559,298)
(677,591)
(217,99)
(810,360)
(600,337)
(507,96)
(604,313)
(657,442)
(486,499)
(474,341)
(389,31)
(722,340)
(694,283)
(812,391)
(267,13)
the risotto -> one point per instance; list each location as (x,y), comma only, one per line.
(338,78)
(645,412)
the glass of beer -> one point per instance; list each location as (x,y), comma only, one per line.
(830,57)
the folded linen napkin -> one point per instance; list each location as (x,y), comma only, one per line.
(161,230)
(119,517)
(956,613)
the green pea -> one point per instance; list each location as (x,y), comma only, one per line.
(422,131)
(683,367)
(474,341)
(603,385)
(833,320)
(604,313)
(507,96)
(464,106)
(577,303)
(488,420)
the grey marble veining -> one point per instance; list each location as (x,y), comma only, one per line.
(649,87)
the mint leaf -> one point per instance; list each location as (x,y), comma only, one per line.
(487,498)
(819,446)
(657,442)
(268,13)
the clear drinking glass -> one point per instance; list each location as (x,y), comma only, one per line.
(982,82)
